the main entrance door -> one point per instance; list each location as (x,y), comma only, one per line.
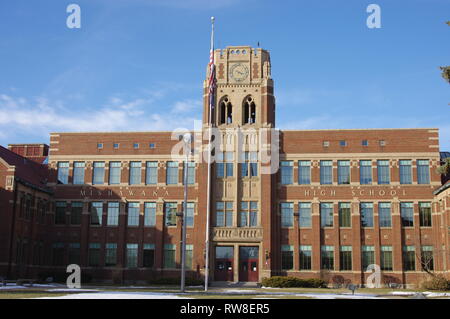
(224,263)
(248,263)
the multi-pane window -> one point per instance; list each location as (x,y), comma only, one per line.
(172,173)
(287,214)
(112,217)
(304,172)
(189,217)
(287,257)
(305,257)
(132,255)
(345,215)
(149,255)
(405,171)
(407,214)
(63,172)
(60,213)
(426,258)
(78,173)
(170,214)
(367,256)
(409,258)
(286,172)
(248,217)
(133,214)
(326,172)
(135,173)
(327,257)
(190,173)
(249,165)
(224,214)
(326,214)
(96,213)
(169,256)
(386,258)
(224,164)
(75,214)
(94,254)
(74,253)
(384,214)
(110,254)
(366,214)
(304,210)
(345,258)
(423,171)
(383,172)
(114,173)
(151,174)
(57,253)
(425,214)
(98,176)
(189,256)
(365,172)
(343,172)
(149,214)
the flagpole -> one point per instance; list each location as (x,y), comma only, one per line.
(208,191)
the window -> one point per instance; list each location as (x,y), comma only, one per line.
(60,213)
(366,214)
(305,257)
(287,214)
(286,172)
(63,172)
(342,143)
(189,214)
(113,214)
(172,173)
(409,258)
(343,172)
(75,214)
(189,256)
(327,257)
(383,172)
(190,173)
(133,214)
(149,255)
(345,215)
(386,258)
(423,172)
(426,258)
(425,214)
(326,143)
(151,175)
(249,111)
(170,214)
(94,254)
(287,257)
(74,253)
(304,172)
(326,214)
(226,111)
(384,214)
(248,216)
(78,173)
(326,172)
(365,143)
(58,253)
(114,173)
(405,171)
(368,256)
(169,256)
(136,146)
(345,260)
(304,214)
(99,173)
(407,214)
(382,142)
(111,254)
(365,172)
(151,145)
(135,173)
(116,146)
(149,214)
(96,213)
(99,145)
(132,255)
(224,214)
(249,165)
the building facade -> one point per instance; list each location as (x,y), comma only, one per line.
(308,203)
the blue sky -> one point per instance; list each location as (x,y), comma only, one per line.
(138,65)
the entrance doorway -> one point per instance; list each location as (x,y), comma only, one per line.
(248,264)
(224,263)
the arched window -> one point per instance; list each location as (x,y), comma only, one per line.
(225,111)
(249,110)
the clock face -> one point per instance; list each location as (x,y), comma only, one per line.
(239,72)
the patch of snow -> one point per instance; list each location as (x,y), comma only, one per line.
(402,293)
(71,290)
(239,291)
(118,295)
(436,294)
